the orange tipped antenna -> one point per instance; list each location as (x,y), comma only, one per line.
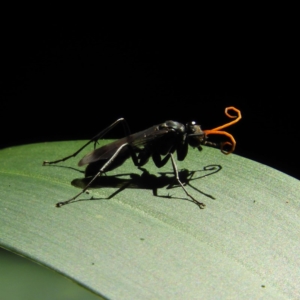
(218,130)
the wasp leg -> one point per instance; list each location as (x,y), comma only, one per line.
(94,139)
(199,204)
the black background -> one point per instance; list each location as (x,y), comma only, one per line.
(65,83)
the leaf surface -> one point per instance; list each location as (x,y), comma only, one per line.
(127,243)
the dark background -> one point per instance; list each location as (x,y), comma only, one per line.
(71,82)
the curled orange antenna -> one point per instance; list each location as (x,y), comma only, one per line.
(218,130)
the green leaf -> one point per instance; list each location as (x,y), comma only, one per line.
(23,279)
(134,245)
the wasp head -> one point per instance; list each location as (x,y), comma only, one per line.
(196,137)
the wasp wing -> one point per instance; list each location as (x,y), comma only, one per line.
(135,140)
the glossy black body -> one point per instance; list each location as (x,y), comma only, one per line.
(158,142)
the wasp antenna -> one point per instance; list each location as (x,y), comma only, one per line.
(232,143)
(218,130)
(238,117)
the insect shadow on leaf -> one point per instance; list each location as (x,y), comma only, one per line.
(146,181)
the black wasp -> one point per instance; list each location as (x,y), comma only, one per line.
(159,142)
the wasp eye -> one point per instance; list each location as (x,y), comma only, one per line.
(191,127)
